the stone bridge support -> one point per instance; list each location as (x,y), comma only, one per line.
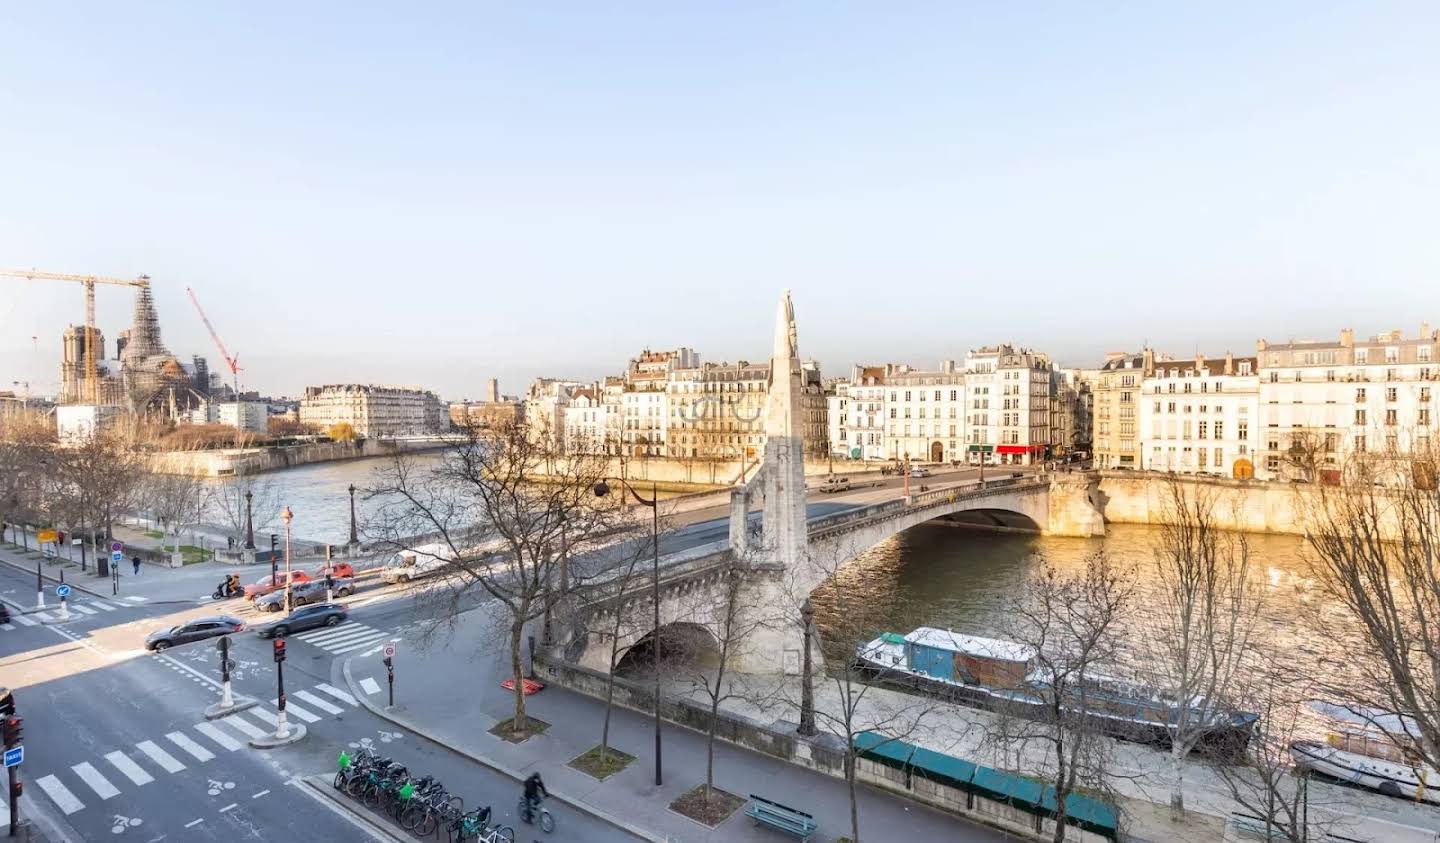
(1073,508)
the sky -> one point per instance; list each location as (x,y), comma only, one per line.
(433,194)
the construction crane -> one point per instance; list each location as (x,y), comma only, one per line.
(92,386)
(232,362)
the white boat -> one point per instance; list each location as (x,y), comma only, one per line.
(1364,747)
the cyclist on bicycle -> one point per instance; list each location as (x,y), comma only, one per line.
(534,791)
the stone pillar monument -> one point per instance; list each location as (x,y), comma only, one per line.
(784,535)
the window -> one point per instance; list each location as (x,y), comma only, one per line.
(1219,458)
(1244,431)
(1204,430)
(1423,354)
(1390,418)
(1187,386)
(1390,393)
(1424,394)
(1392,354)
(1157,406)
(1424,417)
(1360,417)
(1272,462)
(1203,462)
(1362,356)
(1170,388)
(1274,377)
(1219,430)
(937,395)
(1330,375)
(1360,443)
(1360,396)
(1244,367)
(1170,407)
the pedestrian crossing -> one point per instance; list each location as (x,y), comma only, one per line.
(79,610)
(343,638)
(107,775)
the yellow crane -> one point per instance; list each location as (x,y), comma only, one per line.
(92,387)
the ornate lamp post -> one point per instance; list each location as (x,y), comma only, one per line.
(354,539)
(249,521)
(601,490)
(807,695)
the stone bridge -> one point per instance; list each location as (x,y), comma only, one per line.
(774,569)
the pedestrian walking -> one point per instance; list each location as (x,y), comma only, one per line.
(135,562)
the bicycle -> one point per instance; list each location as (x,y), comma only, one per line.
(470,826)
(529,814)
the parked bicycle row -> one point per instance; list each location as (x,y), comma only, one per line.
(423,806)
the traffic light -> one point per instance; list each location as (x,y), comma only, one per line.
(13,729)
(17,789)
(274,542)
(279,649)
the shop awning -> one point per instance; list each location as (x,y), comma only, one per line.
(981,448)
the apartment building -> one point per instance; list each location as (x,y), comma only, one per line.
(373,411)
(1201,416)
(1116,392)
(925,413)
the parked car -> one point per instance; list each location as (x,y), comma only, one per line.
(196,630)
(264,585)
(836,483)
(919,471)
(337,570)
(413,564)
(305,617)
(303,593)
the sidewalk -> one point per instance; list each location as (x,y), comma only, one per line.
(190,584)
(450,693)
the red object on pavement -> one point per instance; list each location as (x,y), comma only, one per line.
(531,686)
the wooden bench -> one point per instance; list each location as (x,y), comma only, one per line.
(781,817)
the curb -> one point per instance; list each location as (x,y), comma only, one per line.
(379,711)
(56,580)
(323,789)
(297,734)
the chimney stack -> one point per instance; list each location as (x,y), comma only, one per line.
(1347,337)
(1425,331)
(1229,363)
(492,390)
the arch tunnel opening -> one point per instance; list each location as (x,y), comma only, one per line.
(680,645)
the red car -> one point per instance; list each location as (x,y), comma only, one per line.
(265,585)
(336,570)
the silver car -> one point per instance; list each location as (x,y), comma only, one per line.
(303,593)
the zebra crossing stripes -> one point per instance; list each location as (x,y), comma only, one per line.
(343,638)
(8,628)
(132,771)
(98,783)
(338,694)
(245,727)
(198,752)
(166,761)
(293,710)
(85,610)
(22,620)
(215,734)
(59,794)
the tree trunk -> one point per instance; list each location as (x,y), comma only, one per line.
(517,672)
(850,787)
(1177,793)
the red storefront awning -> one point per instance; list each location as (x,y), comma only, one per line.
(1012,449)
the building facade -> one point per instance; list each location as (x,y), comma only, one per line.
(373,411)
(1201,416)
(924,413)
(1116,393)
(250,416)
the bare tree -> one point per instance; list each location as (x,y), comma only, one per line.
(229,503)
(1305,455)
(499,514)
(1374,550)
(93,480)
(177,502)
(1071,626)
(1201,622)
(24,441)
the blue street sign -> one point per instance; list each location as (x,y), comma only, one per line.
(62,590)
(117,556)
(13,757)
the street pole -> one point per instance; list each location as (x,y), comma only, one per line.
(286,515)
(655,582)
(249,522)
(227,700)
(282,728)
(390,678)
(354,537)
(39,587)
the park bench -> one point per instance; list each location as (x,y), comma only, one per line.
(781,817)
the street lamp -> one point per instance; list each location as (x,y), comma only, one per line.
(601,490)
(249,521)
(354,540)
(287,516)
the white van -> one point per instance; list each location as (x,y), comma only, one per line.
(412,564)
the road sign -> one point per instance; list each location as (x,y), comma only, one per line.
(46,536)
(116,547)
(117,556)
(389,651)
(14,756)
(62,590)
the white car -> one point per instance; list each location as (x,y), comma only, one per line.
(413,564)
(919,471)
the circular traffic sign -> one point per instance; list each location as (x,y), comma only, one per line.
(62,590)
(116,547)
(389,651)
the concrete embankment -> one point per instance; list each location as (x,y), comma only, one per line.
(231,461)
(1251,506)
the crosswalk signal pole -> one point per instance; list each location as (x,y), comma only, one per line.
(226,699)
(390,678)
(39,587)
(282,729)
(12,733)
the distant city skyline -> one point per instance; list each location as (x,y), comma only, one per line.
(436,197)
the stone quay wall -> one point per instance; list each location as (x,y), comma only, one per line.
(231,461)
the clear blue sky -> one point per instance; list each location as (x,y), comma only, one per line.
(438,193)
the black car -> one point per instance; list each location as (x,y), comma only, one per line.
(306,617)
(303,593)
(196,630)
(4,613)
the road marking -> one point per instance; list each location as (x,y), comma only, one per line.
(86,610)
(319,703)
(135,598)
(60,795)
(8,628)
(296,711)
(325,632)
(195,749)
(178,665)
(23,621)
(228,807)
(337,694)
(160,756)
(370,685)
(267,715)
(341,633)
(98,783)
(43,616)
(260,794)
(194,823)
(368,642)
(243,725)
(226,742)
(103,605)
(132,771)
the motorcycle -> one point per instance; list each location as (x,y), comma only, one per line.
(227,589)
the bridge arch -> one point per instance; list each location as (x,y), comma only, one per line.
(681,642)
